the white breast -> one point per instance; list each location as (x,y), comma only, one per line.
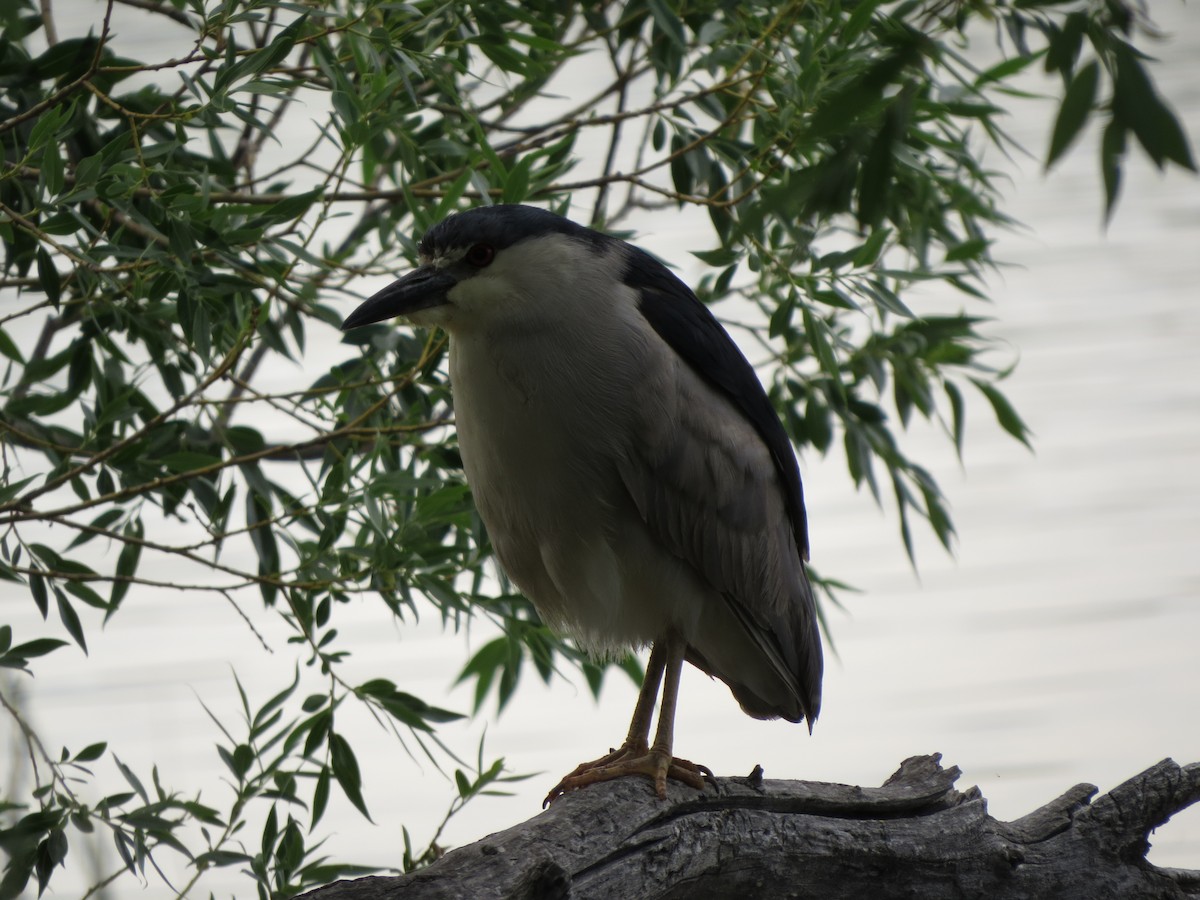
(543,421)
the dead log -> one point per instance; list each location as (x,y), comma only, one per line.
(916,836)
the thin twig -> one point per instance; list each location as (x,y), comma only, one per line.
(48,23)
(614,140)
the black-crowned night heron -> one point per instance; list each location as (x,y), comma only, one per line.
(634,478)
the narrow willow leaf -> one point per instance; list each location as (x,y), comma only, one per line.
(1112,153)
(958,415)
(1137,106)
(859,19)
(127,564)
(1074,110)
(1006,415)
(70,619)
(320,795)
(346,771)
(668,22)
(48,275)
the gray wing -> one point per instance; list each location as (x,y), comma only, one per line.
(709,476)
(690,329)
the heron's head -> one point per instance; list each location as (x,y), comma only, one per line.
(494,265)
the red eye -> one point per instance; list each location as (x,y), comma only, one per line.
(480,255)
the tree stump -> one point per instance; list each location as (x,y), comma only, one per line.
(916,836)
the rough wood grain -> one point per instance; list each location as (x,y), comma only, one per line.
(915,836)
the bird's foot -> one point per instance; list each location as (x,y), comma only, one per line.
(632,759)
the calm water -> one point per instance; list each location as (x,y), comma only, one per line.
(1061,644)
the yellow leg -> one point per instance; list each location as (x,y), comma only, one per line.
(635,757)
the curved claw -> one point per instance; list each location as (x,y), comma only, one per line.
(653,763)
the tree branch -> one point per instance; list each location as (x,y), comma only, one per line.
(744,837)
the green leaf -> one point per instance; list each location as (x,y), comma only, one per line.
(87,172)
(1137,106)
(46,126)
(245,440)
(48,276)
(818,424)
(52,169)
(859,19)
(681,172)
(124,850)
(98,526)
(463,783)
(68,59)
(722,256)
(70,619)
(51,853)
(1005,69)
(972,249)
(487,662)
(37,587)
(1006,415)
(868,252)
(243,758)
(189,461)
(260,61)
(902,504)
(1112,152)
(958,415)
(9,348)
(817,333)
(262,536)
(668,23)
(876,180)
(127,565)
(516,184)
(320,796)
(887,299)
(87,594)
(345,770)
(90,753)
(780,322)
(132,779)
(10,489)
(1065,43)
(858,98)
(292,207)
(1077,105)
(270,832)
(275,703)
(291,847)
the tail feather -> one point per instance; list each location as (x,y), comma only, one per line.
(790,645)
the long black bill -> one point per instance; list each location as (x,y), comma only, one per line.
(419,289)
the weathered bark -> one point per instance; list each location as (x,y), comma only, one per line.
(916,836)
